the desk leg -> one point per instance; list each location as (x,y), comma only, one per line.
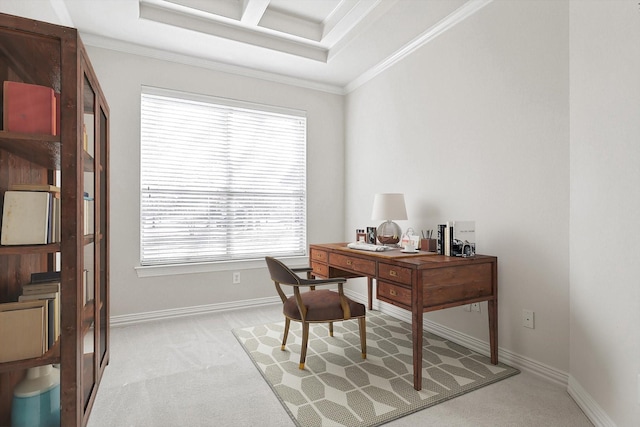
(370,292)
(493,330)
(416,328)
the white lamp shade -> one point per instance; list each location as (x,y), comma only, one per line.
(389,206)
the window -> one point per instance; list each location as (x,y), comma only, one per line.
(220,180)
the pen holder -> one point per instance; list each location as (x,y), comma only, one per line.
(429,245)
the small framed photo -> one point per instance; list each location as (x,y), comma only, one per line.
(371,235)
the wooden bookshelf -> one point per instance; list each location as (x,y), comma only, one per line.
(38,53)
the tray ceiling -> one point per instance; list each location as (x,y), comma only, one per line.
(327,43)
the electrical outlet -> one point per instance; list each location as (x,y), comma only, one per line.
(475,306)
(467,307)
(527,318)
(236,277)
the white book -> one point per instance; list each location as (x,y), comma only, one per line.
(25,218)
(464,235)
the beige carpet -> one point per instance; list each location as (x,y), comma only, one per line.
(339,388)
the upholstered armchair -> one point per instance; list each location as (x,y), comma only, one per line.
(308,305)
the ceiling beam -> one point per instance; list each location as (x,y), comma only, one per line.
(227,29)
(253,10)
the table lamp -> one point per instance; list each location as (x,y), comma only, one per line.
(389,207)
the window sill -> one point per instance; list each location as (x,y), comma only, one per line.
(209,267)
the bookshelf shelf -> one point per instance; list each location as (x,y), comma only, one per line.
(43,150)
(37,54)
(50,357)
(30,249)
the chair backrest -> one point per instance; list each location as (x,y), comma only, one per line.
(280,273)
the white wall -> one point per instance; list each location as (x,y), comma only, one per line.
(605,205)
(121,76)
(474,125)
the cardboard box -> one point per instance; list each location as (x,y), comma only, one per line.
(22,330)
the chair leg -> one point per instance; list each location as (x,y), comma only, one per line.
(330,329)
(287,322)
(362,322)
(305,340)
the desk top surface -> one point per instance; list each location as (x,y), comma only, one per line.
(420,258)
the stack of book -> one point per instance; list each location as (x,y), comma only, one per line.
(457,238)
(31,325)
(46,286)
(31,215)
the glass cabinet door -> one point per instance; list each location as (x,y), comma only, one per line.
(95,262)
(102,235)
(89,362)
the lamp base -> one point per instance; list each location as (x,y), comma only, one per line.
(389,233)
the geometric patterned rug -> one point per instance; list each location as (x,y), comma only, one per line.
(339,388)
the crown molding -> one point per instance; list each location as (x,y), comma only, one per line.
(60,9)
(459,15)
(120,46)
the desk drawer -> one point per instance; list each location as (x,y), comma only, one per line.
(394,273)
(394,294)
(321,270)
(318,255)
(449,285)
(354,264)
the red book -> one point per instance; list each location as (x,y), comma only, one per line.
(29,108)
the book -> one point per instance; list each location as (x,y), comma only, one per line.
(88,214)
(57,96)
(52,315)
(440,244)
(52,323)
(45,276)
(34,187)
(29,108)
(448,233)
(87,285)
(463,238)
(40,288)
(89,132)
(22,324)
(25,218)
(34,297)
(56,228)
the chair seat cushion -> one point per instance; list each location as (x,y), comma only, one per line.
(322,305)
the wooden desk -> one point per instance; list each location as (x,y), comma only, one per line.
(416,282)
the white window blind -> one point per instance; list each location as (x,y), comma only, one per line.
(220,181)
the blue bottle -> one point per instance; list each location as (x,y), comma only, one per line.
(36,399)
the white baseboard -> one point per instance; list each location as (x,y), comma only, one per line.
(130,319)
(590,407)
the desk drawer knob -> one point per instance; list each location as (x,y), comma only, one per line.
(393,292)
(393,273)
(348,262)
